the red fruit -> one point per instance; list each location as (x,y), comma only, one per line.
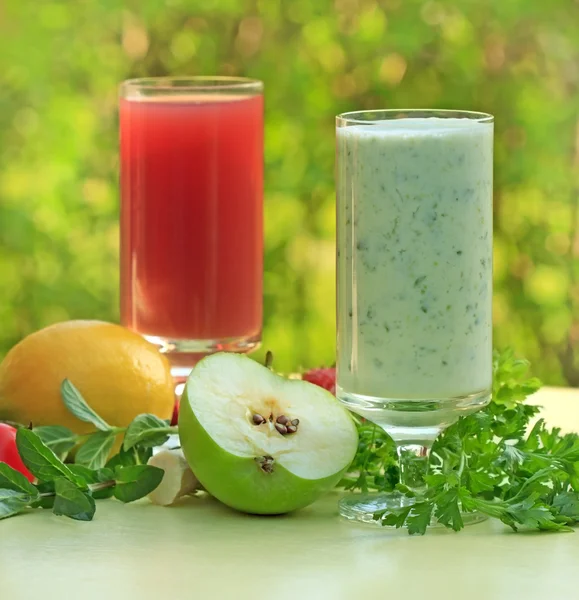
(9,452)
(175,417)
(324,377)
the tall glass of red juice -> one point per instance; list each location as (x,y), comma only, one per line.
(192,214)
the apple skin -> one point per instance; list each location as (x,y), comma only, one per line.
(238,482)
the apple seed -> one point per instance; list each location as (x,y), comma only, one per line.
(282,419)
(295,422)
(291,428)
(281,428)
(258,419)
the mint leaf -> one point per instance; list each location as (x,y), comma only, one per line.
(105,474)
(11,479)
(136,482)
(123,459)
(77,405)
(94,453)
(137,455)
(60,440)
(146,430)
(13,502)
(72,502)
(87,474)
(92,475)
(103,493)
(40,460)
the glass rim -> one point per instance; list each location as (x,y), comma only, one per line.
(193,83)
(391,114)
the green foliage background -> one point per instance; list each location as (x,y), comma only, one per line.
(61,62)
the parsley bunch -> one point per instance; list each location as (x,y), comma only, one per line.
(501,462)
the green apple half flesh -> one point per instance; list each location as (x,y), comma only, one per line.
(236,424)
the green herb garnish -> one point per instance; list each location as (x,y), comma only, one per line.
(68,490)
(501,462)
(71,489)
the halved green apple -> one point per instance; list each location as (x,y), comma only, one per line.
(259,442)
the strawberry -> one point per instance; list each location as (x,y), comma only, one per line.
(324,377)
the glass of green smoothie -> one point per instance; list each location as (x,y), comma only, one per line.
(414,278)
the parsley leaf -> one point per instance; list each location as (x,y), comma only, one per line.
(500,461)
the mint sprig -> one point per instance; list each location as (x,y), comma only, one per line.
(70,489)
(495,462)
(93,449)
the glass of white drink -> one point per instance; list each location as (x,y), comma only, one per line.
(414,270)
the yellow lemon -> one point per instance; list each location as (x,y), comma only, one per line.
(117,372)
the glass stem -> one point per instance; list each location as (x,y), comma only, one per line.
(413,461)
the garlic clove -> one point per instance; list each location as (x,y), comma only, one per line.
(178,480)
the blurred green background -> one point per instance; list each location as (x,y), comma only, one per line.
(61,62)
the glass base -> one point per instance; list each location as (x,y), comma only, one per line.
(413,424)
(185,354)
(413,420)
(361,508)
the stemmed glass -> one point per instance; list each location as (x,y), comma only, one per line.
(414,271)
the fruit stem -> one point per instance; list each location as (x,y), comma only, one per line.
(268,359)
